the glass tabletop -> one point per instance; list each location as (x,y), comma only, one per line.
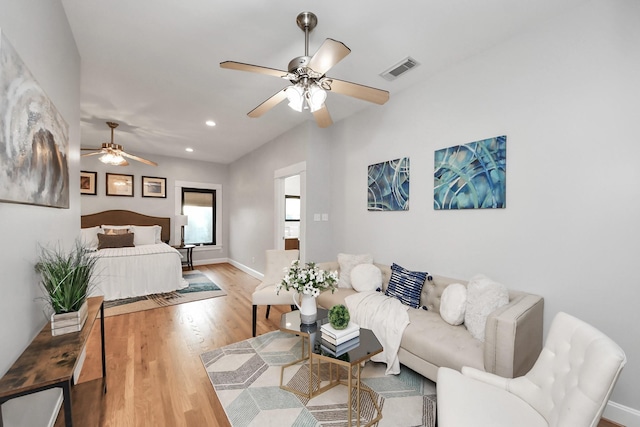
(355,351)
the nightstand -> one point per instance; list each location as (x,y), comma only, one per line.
(189,250)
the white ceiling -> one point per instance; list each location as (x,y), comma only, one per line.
(153,65)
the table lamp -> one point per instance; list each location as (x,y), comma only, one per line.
(182,220)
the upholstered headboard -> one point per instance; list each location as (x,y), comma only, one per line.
(122,217)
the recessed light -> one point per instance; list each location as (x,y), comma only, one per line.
(210,123)
(190,150)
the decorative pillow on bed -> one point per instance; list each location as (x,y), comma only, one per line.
(115,240)
(146,235)
(89,237)
(453,304)
(347,262)
(483,296)
(366,277)
(116,229)
(406,285)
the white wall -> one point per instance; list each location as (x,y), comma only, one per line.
(566,95)
(39,32)
(173,169)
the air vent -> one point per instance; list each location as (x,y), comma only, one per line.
(400,68)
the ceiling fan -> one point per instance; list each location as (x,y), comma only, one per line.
(114,154)
(309,84)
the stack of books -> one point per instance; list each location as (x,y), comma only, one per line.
(338,341)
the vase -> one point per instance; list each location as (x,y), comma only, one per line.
(308,308)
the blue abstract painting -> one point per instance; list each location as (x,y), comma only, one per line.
(471,176)
(389,186)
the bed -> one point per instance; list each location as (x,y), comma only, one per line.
(149,267)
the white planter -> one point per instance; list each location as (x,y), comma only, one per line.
(69,322)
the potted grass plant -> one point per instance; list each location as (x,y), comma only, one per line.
(66,282)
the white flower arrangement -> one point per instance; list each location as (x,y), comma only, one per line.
(307,279)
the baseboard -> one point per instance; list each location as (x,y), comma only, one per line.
(210,261)
(628,417)
(249,271)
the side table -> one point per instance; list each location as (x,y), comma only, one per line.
(189,250)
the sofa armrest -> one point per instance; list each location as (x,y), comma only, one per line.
(513,336)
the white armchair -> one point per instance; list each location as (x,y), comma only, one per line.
(569,385)
(265,293)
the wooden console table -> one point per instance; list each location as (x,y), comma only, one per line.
(50,362)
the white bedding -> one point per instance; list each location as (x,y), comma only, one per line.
(137,271)
(387,317)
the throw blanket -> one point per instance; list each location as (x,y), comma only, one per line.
(386,317)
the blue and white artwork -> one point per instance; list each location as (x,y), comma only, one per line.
(389,186)
(33,138)
(471,176)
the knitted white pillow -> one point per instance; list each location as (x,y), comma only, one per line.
(347,262)
(483,297)
(453,304)
(366,277)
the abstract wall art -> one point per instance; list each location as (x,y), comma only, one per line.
(471,176)
(33,138)
(389,186)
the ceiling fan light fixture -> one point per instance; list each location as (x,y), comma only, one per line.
(315,96)
(112,159)
(295,95)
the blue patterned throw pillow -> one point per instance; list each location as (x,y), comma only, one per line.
(406,285)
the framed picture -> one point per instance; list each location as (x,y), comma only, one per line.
(119,185)
(88,182)
(154,187)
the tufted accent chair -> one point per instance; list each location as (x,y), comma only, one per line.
(569,385)
(265,293)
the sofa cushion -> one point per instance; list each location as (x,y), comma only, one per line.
(366,277)
(483,296)
(453,304)
(347,262)
(406,285)
(327,299)
(430,338)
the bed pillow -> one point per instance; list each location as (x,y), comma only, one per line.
(116,229)
(146,235)
(115,240)
(366,277)
(453,304)
(406,285)
(483,297)
(89,237)
(347,262)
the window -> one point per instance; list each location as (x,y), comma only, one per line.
(292,216)
(199,204)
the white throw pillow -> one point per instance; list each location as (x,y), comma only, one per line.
(143,235)
(347,262)
(483,297)
(89,237)
(366,277)
(453,304)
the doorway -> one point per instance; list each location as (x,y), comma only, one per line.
(290,208)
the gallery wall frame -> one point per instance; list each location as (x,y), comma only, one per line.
(153,186)
(34,146)
(88,182)
(119,184)
(388,185)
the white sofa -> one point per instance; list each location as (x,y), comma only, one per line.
(513,333)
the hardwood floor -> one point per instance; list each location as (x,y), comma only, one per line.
(154,374)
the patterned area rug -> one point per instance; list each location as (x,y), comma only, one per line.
(200,287)
(246,377)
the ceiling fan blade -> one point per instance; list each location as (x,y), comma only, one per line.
(140,159)
(322,116)
(232,65)
(268,104)
(366,93)
(329,54)
(92,154)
